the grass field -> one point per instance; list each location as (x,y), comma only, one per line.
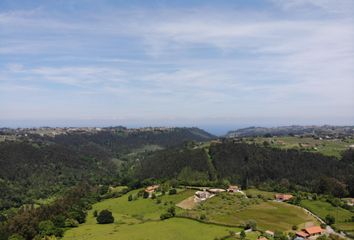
(233,210)
(171,229)
(331,147)
(322,208)
(139,219)
(253,192)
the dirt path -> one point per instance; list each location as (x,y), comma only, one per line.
(187,203)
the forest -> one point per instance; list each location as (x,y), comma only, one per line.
(78,169)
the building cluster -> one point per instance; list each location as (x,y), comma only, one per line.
(207,193)
(13,134)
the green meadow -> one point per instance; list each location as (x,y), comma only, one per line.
(331,147)
(322,209)
(253,192)
(140,219)
(269,215)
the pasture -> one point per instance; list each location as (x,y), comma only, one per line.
(322,208)
(330,147)
(139,219)
(234,210)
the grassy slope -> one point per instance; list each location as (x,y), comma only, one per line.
(270,215)
(253,192)
(322,208)
(327,147)
(139,219)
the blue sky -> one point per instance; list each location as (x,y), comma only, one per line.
(204,63)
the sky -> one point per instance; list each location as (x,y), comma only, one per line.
(213,64)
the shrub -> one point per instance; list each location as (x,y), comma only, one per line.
(47,228)
(294,227)
(16,237)
(330,219)
(251,224)
(242,234)
(71,223)
(172,211)
(164,216)
(130,197)
(78,215)
(145,194)
(59,221)
(105,217)
(172,191)
(95,213)
(202,217)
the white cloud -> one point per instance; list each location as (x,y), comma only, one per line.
(196,60)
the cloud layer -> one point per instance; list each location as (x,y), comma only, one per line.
(286,60)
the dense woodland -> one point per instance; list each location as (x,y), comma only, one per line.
(38,167)
(118,141)
(248,164)
(78,168)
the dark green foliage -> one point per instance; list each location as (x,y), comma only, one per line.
(71,223)
(78,214)
(122,142)
(47,228)
(253,165)
(172,211)
(30,172)
(146,194)
(242,234)
(294,227)
(251,224)
(164,216)
(130,197)
(168,164)
(105,217)
(280,236)
(330,219)
(30,222)
(45,166)
(95,213)
(172,191)
(59,221)
(16,237)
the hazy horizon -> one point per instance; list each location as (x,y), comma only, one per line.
(213,127)
(217,64)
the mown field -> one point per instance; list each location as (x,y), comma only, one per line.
(331,147)
(253,192)
(322,209)
(140,219)
(269,215)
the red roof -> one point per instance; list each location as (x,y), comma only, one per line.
(284,197)
(314,230)
(302,234)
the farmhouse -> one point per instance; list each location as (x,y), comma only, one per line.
(151,189)
(233,189)
(350,202)
(216,190)
(311,231)
(270,233)
(202,196)
(283,197)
